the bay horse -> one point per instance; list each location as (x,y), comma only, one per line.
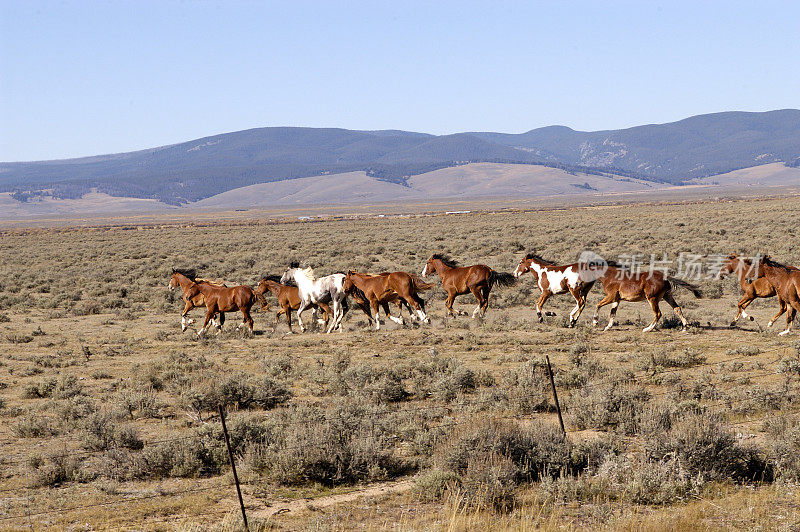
(478,279)
(184,279)
(786,281)
(289,299)
(553,279)
(751,289)
(620,284)
(223,299)
(313,290)
(387,287)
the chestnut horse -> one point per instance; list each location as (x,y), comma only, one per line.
(288,299)
(554,279)
(218,299)
(184,279)
(786,281)
(456,281)
(620,284)
(751,290)
(383,288)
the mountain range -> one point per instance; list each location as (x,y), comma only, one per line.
(677,153)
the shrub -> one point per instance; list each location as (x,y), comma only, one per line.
(615,404)
(528,389)
(53,470)
(703,447)
(101,432)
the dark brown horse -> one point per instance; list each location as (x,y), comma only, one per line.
(184,279)
(786,281)
(620,284)
(478,279)
(288,299)
(387,287)
(218,299)
(554,279)
(751,290)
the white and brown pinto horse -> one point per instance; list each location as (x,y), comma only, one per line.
(315,291)
(477,279)
(554,279)
(621,284)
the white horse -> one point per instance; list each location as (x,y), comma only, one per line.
(313,290)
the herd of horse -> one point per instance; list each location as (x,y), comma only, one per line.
(299,289)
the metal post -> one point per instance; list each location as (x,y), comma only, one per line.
(233,465)
(555,396)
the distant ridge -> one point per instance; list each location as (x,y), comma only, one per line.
(676,152)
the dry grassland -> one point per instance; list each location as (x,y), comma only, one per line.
(108,409)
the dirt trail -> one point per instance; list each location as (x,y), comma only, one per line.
(279,507)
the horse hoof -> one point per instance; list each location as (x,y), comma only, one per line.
(541,319)
(733,324)
(770,324)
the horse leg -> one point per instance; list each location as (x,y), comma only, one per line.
(300,309)
(448,304)
(209,315)
(485,292)
(657,314)
(476,291)
(419,305)
(676,308)
(579,303)
(602,303)
(376,311)
(743,303)
(612,314)
(338,313)
(399,320)
(185,322)
(540,302)
(781,310)
(795,306)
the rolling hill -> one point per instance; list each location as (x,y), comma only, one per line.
(678,152)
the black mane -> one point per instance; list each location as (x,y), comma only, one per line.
(539,258)
(766,259)
(294,264)
(273,278)
(190,273)
(445,259)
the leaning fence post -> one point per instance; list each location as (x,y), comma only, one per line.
(233,465)
(555,396)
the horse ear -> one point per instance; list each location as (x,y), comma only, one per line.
(294,264)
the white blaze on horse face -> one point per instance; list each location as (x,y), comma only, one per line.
(425,270)
(519,271)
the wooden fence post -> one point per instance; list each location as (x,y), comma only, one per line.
(555,396)
(233,466)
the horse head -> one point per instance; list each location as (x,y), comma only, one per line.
(524,265)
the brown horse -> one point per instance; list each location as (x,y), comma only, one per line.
(218,299)
(751,290)
(620,284)
(478,279)
(288,299)
(554,279)
(387,287)
(184,279)
(786,281)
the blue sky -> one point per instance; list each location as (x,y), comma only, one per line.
(84,78)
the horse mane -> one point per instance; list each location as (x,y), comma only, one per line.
(294,264)
(447,261)
(273,278)
(213,282)
(615,264)
(766,259)
(539,258)
(190,273)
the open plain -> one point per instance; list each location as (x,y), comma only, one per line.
(109,416)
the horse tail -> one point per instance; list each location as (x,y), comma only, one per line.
(421,285)
(501,279)
(689,286)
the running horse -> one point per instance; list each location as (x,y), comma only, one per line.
(751,289)
(313,290)
(184,279)
(456,281)
(621,284)
(384,288)
(223,299)
(553,279)
(288,299)
(786,281)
